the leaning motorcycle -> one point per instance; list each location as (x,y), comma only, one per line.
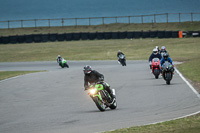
(122,59)
(63,63)
(168,71)
(101,97)
(155,67)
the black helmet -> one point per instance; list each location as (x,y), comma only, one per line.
(87,69)
(165,56)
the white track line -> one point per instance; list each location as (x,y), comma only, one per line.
(191,87)
(10,78)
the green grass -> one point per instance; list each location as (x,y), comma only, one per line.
(191,69)
(137,49)
(185,125)
(9,74)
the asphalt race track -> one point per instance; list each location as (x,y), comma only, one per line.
(54,101)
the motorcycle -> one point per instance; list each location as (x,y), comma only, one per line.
(63,63)
(167,72)
(101,97)
(155,67)
(122,59)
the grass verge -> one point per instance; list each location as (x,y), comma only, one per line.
(184,125)
(9,74)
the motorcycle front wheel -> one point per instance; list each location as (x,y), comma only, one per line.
(168,78)
(100,105)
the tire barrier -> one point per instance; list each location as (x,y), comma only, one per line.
(137,34)
(13,39)
(130,35)
(5,40)
(107,35)
(168,34)
(92,36)
(84,36)
(153,34)
(76,36)
(37,38)
(115,35)
(21,39)
(28,38)
(161,34)
(61,37)
(122,35)
(52,37)
(175,34)
(45,37)
(69,37)
(145,34)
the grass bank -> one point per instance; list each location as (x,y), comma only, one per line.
(185,125)
(184,26)
(9,74)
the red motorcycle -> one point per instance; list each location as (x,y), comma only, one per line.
(155,67)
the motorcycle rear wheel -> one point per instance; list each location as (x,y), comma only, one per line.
(114,105)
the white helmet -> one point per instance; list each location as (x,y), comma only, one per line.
(155,51)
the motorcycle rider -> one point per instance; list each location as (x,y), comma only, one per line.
(157,49)
(59,59)
(155,54)
(165,58)
(163,50)
(92,76)
(118,54)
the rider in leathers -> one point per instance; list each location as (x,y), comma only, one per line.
(92,76)
(118,54)
(59,59)
(155,54)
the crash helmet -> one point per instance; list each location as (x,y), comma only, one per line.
(165,56)
(157,47)
(87,69)
(155,51)
(59,56)
(163,48)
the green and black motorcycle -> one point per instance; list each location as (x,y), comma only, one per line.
(63,63)
(101,97)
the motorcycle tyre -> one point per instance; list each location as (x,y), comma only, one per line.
(67,65)
(100,107)
(114,105)
(168,78)
(156,73)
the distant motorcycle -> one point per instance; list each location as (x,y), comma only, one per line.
(63,63)
(122,59)
(101,97)
(155,67)
(167,71)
